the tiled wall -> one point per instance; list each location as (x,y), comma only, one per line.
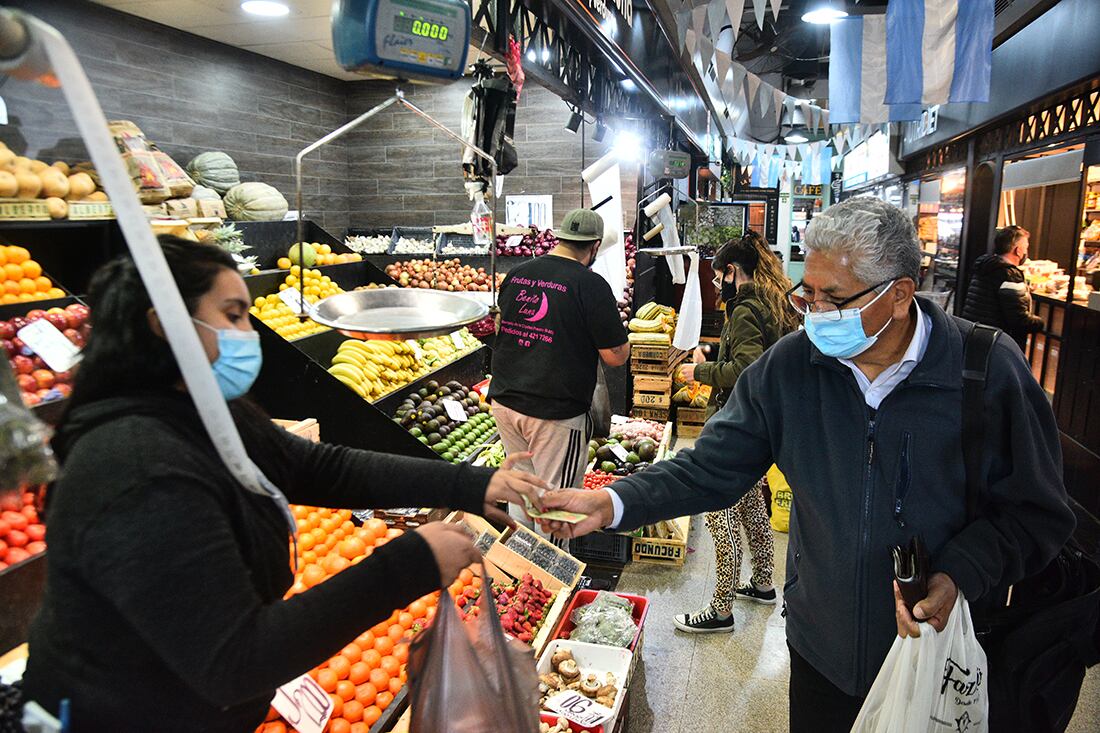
(406,173)
(190,95)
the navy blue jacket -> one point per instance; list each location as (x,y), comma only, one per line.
(863,482)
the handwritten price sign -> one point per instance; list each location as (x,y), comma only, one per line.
(304,704)
(579,709)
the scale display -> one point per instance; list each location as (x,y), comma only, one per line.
(425,40)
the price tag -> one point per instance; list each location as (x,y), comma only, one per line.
(304,704)
(455,411)
(43,338)
(418,352)
(456,338)
(579,709)
(293,298)
(619,452)
(514,241)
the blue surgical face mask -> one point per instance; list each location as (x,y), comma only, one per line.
(239,360)
(843,337)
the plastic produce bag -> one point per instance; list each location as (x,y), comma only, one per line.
(781,500)
(607,620)
(468,676)
(932,684)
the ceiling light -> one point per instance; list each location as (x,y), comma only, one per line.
(609,26)
(531,55)
(825,12)
(600,133)
(796,138)
(545,55)
(629,85)
(266,8)
(574,123)
(628,146)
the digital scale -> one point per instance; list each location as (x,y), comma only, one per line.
(669,164)
(423,40)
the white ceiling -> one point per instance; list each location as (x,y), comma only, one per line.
(301,38)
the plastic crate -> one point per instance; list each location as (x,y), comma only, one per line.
(601,547)
(584,597)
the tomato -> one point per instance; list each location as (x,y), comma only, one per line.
(17,538)
(31,514)
(35,548)
(17,555)
(3,549)
(15,519)
(36,532)
(4,528)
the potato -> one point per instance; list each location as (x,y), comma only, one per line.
(29,184)
(37,166)
(54,183)
(9,187)
(59,209)
(61,166)
(81,186)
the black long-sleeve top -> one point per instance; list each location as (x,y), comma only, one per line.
(164,604)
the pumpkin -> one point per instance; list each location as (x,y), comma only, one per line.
(9,187)
(55,184)
(255,202)
(29,184)
(200,193)
(81,186)
(214,170)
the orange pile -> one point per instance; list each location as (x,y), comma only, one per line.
(366,675)
(21,278)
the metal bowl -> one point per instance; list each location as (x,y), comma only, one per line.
(397,313)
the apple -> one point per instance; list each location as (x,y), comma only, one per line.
(75,337)
(39,363)
(45,378)
(79,311)
(42,394)
(8,347)
(35,315)
(65,390)
(27,383)
(85,329)
(22,365)
(59,320)
(63,377)
(7,331)
(18,322)
(30,399)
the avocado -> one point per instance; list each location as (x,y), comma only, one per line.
(416,432)
(609,467)
(604,453)
(432,425)
(432,385)
(632,458)
(646,449)
(591,454)
(628,445)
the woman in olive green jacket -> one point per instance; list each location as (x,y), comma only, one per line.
(752,285)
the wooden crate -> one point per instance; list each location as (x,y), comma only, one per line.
(663,552)
(661,360)
(652,383)
(659,414)
(689,421)
(646,398)
(309,428)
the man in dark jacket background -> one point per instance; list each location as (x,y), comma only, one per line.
(862,412)
(998,295)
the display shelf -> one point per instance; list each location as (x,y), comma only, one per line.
(270,240)
(348,276)
(21,587)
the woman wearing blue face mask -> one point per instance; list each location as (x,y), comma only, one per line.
(164,603)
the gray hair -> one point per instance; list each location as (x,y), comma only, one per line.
(878,239)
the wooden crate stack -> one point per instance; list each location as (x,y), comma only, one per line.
(653,368)
(689,421)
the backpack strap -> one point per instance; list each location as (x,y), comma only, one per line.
(976,355)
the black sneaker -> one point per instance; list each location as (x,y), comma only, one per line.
(703,622)
(752,593)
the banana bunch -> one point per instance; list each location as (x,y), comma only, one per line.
(374,368)
(652,318)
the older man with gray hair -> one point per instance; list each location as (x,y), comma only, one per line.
(862,412)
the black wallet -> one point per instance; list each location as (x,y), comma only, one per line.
(911,570)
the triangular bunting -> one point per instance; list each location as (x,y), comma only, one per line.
(825,120)
(776,4)
(792,151)
(698,19)
(815,118)
(760,7)
(690,44)
(734,9)
(752,85)
(765,98)
(716,14)
(777,104)
(838,139)
(706,52)
(683,24)
(804,108)
(791,104)
(722,63)
(803,150)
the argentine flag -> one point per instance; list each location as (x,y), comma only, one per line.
(883,68)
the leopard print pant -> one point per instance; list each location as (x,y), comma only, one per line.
(725,527)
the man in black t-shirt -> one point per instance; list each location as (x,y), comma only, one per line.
(557,320)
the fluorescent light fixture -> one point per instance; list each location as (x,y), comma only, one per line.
(574,123)
(609,26)
(629,85)
(825,12)
(628,146)
(545,55)
(796,138)
(265,8)
(600,133)
(531,55)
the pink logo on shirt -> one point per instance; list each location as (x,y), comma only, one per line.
(539,314)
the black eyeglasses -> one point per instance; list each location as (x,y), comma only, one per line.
(827,308)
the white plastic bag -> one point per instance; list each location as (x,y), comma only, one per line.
(689,324)
(937,683)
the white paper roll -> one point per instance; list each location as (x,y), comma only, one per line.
(657,204)
(604,183)
(598,168)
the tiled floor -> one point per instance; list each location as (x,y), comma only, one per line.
(726,682)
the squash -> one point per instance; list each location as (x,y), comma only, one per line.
(200,193)
(59,209)
(55,184)
(81,186)
(214,170)
(255,202)
(9,187)
(30,185)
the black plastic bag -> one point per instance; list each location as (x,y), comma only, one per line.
(466,676)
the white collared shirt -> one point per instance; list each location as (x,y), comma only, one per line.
(875,392)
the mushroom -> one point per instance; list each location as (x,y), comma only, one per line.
(544,728)
(607,702)
(569,669)
(560,656)
(590,686)
(550,680)
(607,691)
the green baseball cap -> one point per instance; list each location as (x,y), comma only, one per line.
(581,225)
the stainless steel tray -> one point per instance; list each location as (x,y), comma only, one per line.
(398,313)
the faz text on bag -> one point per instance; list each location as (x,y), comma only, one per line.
(938,683)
